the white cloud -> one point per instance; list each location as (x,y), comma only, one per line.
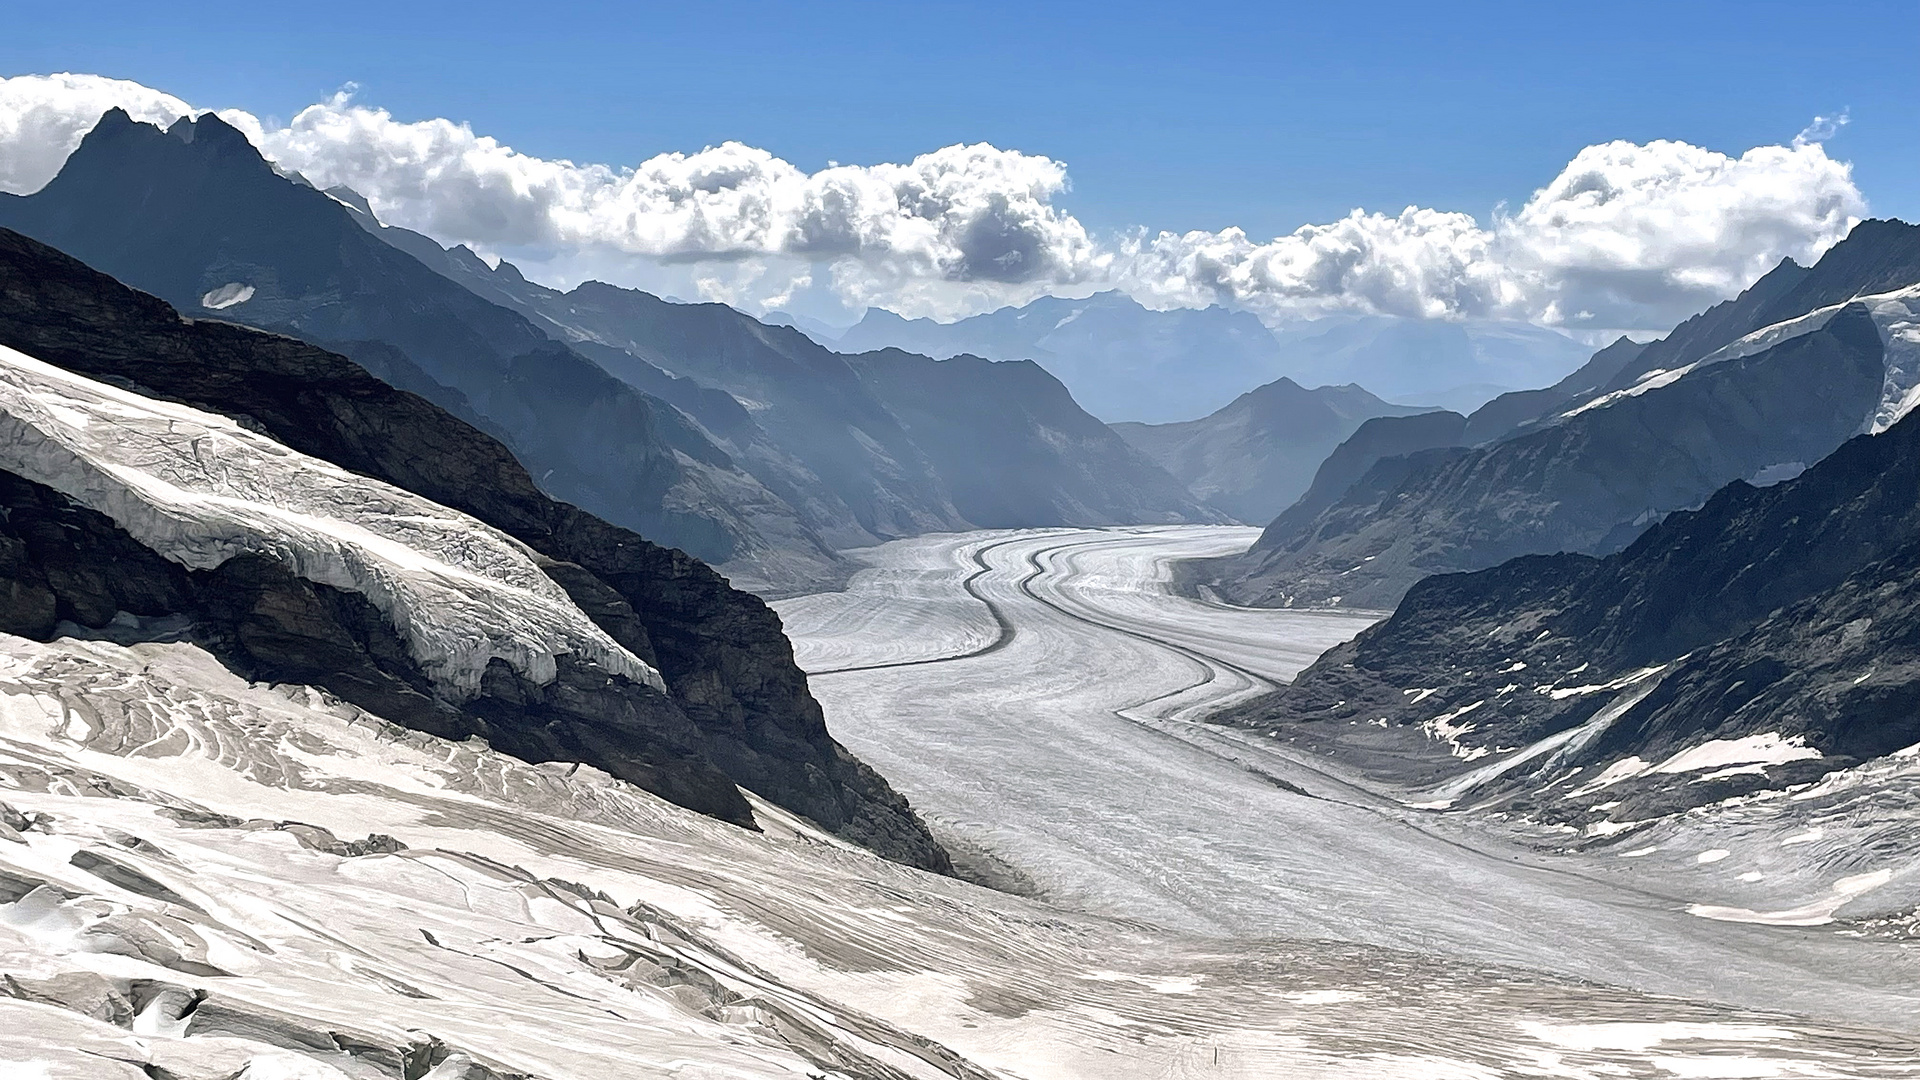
(1627,236)
(963,213)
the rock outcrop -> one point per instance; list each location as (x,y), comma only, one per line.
(1774,626)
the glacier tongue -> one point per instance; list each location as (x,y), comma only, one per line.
(200,489)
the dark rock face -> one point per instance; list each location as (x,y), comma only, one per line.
(1015,450)
(1254,457)
(192,211)
(1378,438)
(728,667)
(1792,610)
(1589,482)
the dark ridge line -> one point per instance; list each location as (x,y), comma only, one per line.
(1004,633)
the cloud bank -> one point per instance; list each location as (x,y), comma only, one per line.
(1626,236)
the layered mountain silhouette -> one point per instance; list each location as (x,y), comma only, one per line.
(1126,362)
(1723,398)
(272,569)
(868,446)
(749,446)
(1256,456)
(1454,365)
(1122,361)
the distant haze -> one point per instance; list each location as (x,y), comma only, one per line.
(1124,362)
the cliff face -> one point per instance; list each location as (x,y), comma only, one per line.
(1774,625)
(727,667)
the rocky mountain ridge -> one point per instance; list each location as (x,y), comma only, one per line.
(196,217)
(1754,644)
(1598,468)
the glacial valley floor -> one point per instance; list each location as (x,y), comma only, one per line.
(1035,695)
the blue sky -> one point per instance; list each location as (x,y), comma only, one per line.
(1259,115)
(1188,125)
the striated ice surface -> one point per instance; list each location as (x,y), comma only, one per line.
(178,898)
(1059,735)
(200,489)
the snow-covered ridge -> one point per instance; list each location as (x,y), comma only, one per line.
(200,489)
(1895,313)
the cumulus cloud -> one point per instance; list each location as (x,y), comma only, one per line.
(1626,236)
(963,213)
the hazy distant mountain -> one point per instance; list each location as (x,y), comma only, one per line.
(1124,362)
(1452,365)
(1121,361)
(1756,388)
(869,447)
(1257,455)
(819,331)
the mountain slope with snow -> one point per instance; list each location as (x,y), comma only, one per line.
(1747,650)
(737,710)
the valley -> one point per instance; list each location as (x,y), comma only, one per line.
(1033,694)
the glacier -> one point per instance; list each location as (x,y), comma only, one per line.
(206,878)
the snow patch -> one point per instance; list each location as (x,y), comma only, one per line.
(232,294)
(1729,757)
(1629,1035)
(1817,913)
